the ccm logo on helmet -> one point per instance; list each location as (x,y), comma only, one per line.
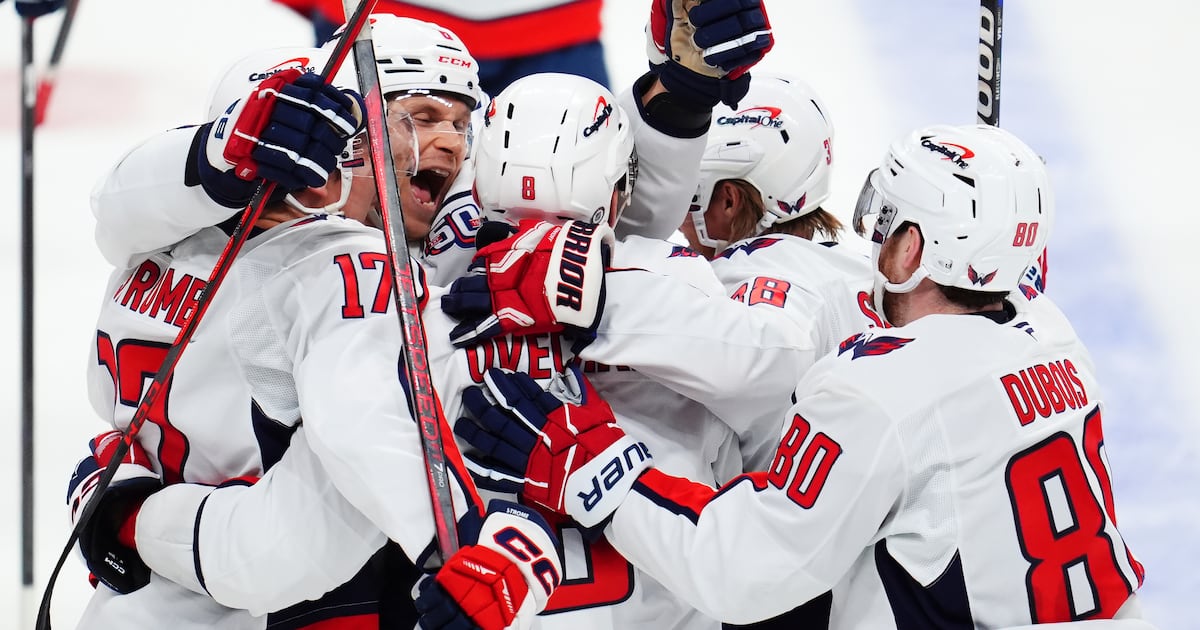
(454,61)
(769,119)
(603,111)
(958,157)
(576,247)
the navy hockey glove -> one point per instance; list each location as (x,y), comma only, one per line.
(500,581)
(560,448)
(534,278)
(37,8)
(106,542)
(704,50)
(290,130)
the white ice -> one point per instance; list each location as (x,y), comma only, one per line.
(1103,91)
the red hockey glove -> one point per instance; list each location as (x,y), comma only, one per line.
(290,130)
(703,50)
(502,581)
(562,450)
(107,541)
(542,278)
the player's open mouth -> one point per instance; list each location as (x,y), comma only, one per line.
(428,187)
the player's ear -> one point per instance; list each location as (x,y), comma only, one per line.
(732,200)
(321,196)
(912,245)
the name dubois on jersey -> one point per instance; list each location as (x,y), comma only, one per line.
(1044,389)
(157,293)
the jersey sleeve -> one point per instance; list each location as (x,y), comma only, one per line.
(353,395)
(768,541)
(734,360)
(244,545)
(666,179)
(145,203)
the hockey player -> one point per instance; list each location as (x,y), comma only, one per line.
(423,69)
(983,501)
(614,122)
(279,347)
(758,215)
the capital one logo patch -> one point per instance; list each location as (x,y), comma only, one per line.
(759,116)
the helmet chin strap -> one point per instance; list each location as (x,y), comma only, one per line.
(883,285)
(697,218)
(332,208)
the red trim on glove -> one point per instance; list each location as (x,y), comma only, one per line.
(125,535)
(487,586)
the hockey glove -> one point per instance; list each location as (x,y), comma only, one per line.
(290,130)
(703,50)
(538,278)
(37,8)
(501,581)
(561,448)
(107,541)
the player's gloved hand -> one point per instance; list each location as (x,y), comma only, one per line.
(560,448)
(37,8)
(107,541)
(500,581)
(290,130)
(536,277)
(702,50)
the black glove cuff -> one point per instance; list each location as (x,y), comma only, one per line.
(117,566)
(703,90)
(670,112)
(223,187)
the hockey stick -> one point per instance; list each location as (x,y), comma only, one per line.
(236,240)
(991,28)
(46,84)
(27,124)
(424,403)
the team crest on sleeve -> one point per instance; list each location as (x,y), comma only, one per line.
(864,345)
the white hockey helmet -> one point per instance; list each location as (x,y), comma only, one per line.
(553,146)
(780,141)
(244,75)
(412,55)
(980,197)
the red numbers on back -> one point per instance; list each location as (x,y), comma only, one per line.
(1073,568)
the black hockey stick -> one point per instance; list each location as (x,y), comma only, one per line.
(27,124)
(46,84)
(991,28)
(424,403)
(157,386)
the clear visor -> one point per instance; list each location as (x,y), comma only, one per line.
(435,114)
(873,214)
(402,136)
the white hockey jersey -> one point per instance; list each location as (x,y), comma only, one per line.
(824,288)
(947,473)
(300,327)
